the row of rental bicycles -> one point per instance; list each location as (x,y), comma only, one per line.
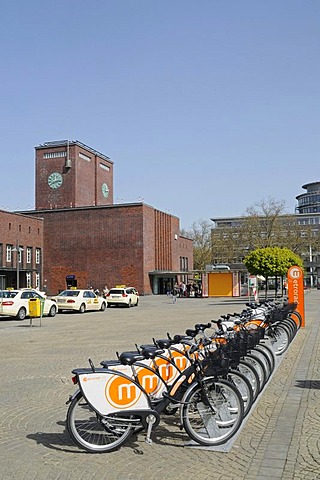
(210,377)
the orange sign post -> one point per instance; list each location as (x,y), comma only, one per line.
(296,290)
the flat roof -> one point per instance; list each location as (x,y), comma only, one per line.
(65,143)
(91,207)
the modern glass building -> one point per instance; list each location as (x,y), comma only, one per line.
(309,202)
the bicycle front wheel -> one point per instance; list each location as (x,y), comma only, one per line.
(243,385)
(93,432)
(212,412)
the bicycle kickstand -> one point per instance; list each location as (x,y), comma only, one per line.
(151,420)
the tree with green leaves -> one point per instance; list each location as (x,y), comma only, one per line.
(200,233)
(271,262)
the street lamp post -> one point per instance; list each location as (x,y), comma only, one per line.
(311,269)
(2,278)
(18,250)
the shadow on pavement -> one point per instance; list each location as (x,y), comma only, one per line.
(309,384)
(62,442)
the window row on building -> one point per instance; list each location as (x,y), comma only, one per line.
(25,255)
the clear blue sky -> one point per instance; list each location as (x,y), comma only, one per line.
(205,107)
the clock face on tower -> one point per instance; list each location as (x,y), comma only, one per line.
(105,190)
(55,180)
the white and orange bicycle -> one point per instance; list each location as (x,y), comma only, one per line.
(132,392)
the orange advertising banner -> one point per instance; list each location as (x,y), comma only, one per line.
(296,290)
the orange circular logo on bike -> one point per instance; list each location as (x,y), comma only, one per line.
(121,392)
(166,370)
(180,360)
(148,380)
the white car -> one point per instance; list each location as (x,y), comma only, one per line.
(127,296)
(80,300)
(15,303)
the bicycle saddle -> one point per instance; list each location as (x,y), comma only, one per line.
(150,352)
(182,338)
(129,358)
(165,343)
(110,363)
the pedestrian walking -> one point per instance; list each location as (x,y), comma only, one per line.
(175,292)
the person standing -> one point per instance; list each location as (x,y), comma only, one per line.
(105,291)
(175,292)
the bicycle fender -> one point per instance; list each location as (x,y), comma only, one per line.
(72,397)
(112,391)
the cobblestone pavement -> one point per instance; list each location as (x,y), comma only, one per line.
(280,439)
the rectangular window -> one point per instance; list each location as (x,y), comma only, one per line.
(28,278)
(184,264)
(55,155)
(84,157)
(105,167)
(37,280)
(38,256)
(29,254)
(9,253)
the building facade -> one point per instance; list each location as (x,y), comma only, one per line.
(132,244)
(21,251)
(306,218)
(88,240)
(309,202)
(71,174)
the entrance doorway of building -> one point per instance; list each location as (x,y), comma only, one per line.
(165,285)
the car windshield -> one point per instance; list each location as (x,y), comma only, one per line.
(116,290)
(7,294)
(69,293)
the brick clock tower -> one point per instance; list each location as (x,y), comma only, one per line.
(71,174)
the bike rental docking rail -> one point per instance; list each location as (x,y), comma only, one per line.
(227,446)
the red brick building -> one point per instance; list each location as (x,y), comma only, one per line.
(71,174)
(21,238)
(94,242)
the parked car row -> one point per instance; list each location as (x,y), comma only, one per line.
(16,303)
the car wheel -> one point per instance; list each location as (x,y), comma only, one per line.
(129,304)
(137,302)
(103,306)
(21,315)
(82,308)
(53,311)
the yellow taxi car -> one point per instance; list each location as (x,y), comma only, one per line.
(79,300)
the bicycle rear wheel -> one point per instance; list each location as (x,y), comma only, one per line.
(212,412)
(92,432)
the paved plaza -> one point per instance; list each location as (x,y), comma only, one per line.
(280,439)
